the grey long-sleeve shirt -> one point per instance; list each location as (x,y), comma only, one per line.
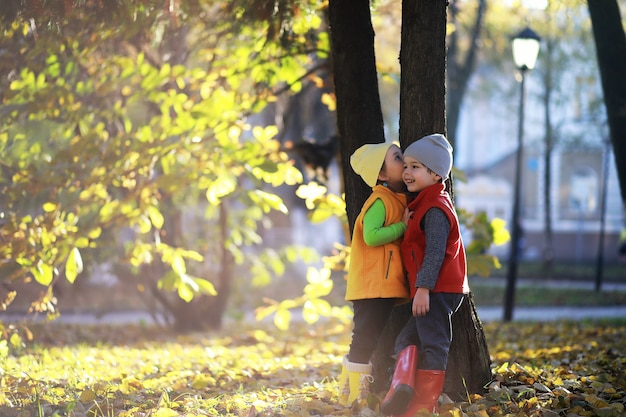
(436,227)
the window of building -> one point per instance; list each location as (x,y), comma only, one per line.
(584,187)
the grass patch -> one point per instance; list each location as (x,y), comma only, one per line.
(487,294)
(571,271)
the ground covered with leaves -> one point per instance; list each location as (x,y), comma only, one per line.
(539,369)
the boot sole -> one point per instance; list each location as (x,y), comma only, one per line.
(399,400)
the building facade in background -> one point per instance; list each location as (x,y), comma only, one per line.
(581,164)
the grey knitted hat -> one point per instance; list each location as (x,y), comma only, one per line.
(434,151)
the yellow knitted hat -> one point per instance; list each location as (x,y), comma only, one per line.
(368,160)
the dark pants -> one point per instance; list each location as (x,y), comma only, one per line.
(432,333)
(370,317)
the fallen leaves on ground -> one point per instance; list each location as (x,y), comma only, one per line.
(250,370)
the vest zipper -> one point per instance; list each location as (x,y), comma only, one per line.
(389,264)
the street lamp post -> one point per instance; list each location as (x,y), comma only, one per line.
(605,175)
(525,51)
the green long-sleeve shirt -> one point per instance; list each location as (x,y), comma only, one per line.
(375,233)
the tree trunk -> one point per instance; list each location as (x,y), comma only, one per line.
(611,50)
(422,69)
(359,114)
(204,311)
(213,307)
(469,363)
(422,112)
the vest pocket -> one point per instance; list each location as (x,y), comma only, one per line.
(389,264)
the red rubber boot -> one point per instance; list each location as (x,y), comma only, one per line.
(403,383)
(428,388)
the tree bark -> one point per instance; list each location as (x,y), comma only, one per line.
(422,112)
(611,51)
(213,308)
(359,113)
(469,363)
(422,69)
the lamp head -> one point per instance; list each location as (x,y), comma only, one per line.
(525,49)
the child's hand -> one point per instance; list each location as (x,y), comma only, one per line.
(406,216)
(421,302)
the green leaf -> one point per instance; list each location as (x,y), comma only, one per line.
(320,214)
(82,242)
(282,318)
(4,349)
(16,340)
(128,125)
(223,186)
(268,201)
(73,265)
(156,217)
(144,224)
(185,292)
(49,207)
(500,233)
(309,313)
(313,309)
(205,286)
(317,276)
(95,233)
(43,273)
(260,276)
(265,134)
(168,282)
(320,289)
(265,311)
(178,264)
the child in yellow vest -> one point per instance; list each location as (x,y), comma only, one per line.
(376,277)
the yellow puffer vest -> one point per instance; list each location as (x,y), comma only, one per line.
(377,271)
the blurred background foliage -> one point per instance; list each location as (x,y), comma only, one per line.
(125,139)
(151,137)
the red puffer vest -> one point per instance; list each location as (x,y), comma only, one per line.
(453,273)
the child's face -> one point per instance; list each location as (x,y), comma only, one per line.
(393,167)
(417,176)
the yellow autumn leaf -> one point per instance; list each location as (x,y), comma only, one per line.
(73,265)
(87,396)
(202,381)
(330,101)
(282,319)
(165,412)
(453,412)
(618,406)
(49,207)
(145,371)
(595,401)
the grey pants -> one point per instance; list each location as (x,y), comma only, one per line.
(431,333)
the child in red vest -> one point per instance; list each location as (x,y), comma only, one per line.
(434,257)
(376,277)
